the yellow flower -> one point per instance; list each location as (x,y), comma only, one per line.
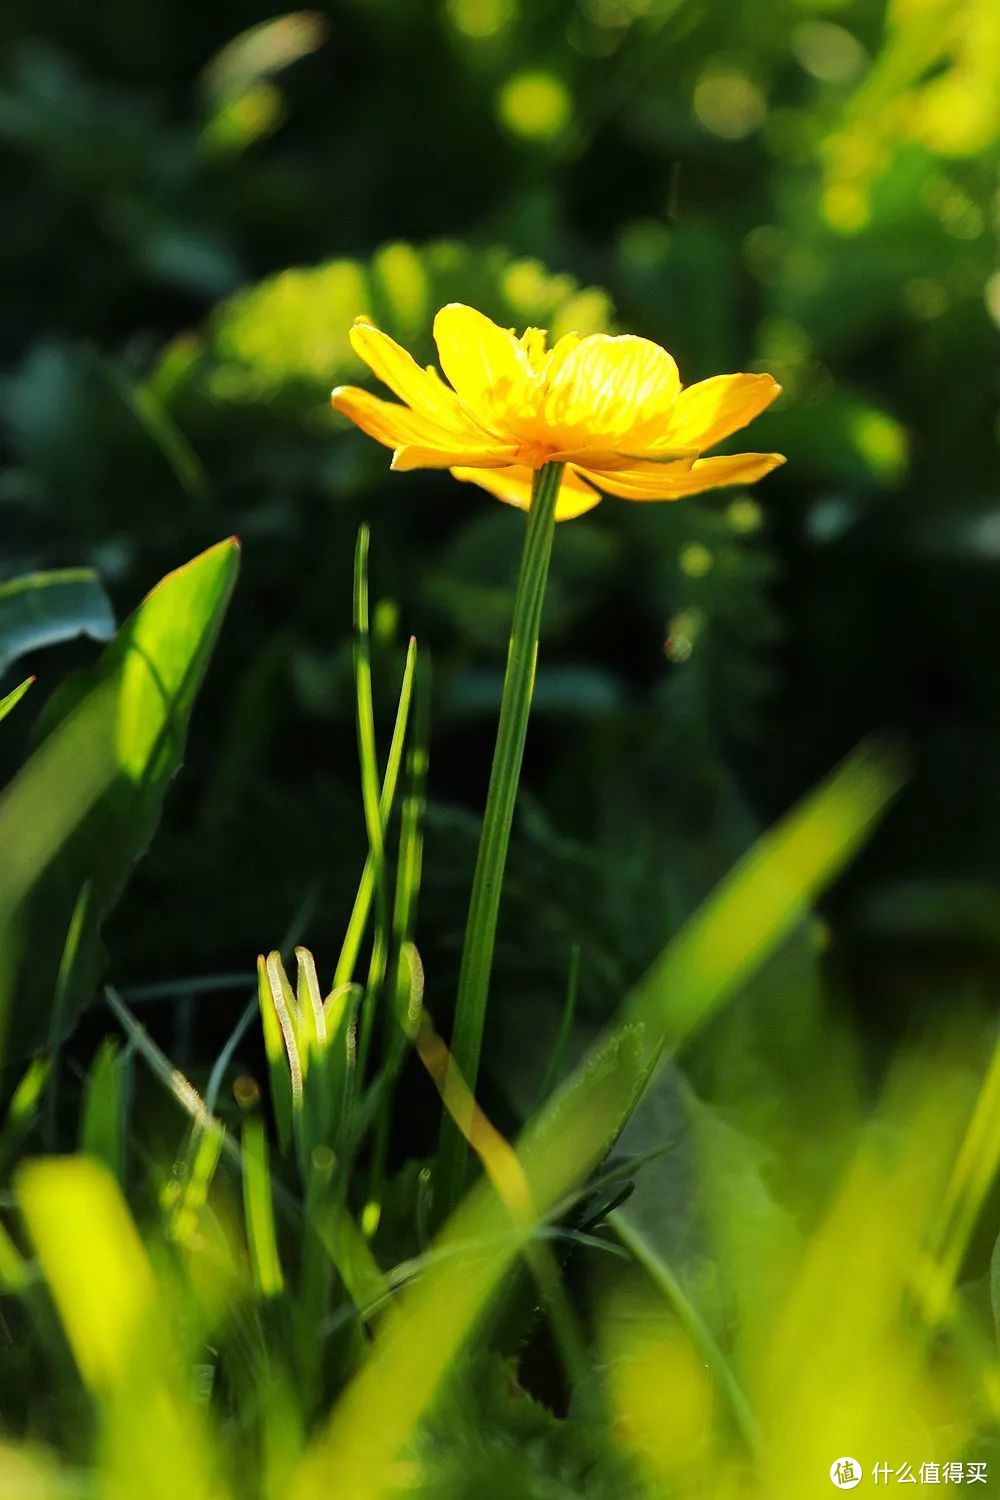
(611,409)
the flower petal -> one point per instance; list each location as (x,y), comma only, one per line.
(421,390)
(513,486)
(423,456)
(386,421)
(610,386)
(487,365)
(671,482)
(706,413)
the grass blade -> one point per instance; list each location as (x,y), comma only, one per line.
(424,1330)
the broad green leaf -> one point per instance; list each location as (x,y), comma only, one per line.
(42,609)
(85,805)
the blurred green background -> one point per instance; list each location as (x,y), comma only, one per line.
(199,199)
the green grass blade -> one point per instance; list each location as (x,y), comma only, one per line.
(258,1209)
(347,962)
(13,698)
(370,796)
(280,1047)
(102,1122)
(750,912)
(687,1316)
(24,1108)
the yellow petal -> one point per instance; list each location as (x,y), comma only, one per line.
(423,456)
(707,412)
(385,421)
(671,482)
(612,460)
(513,486)
(420,389)
(610,386)
(488,366)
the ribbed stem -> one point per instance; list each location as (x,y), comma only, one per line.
(480,931)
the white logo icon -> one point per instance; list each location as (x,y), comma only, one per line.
(845,1473)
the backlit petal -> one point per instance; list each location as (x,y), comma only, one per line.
(420,389)
(488,366)
(709,411)
(513,487)
(420,456)
(609,386)
(671,482)
(386,421)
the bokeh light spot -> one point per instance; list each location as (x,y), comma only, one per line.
(925,298)
(728,103)
(535,106)
(881,441)
(481,19)
(682,633)
(829,52)
(744,515)
(696,560)
(846,208)
(991,296)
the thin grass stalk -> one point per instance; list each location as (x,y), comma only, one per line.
(371,788)
(484,905)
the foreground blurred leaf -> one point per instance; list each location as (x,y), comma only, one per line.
(112,1309)
(84,807)
(42,609)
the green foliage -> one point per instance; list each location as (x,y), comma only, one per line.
(48,607)
(285,340)
(87,801)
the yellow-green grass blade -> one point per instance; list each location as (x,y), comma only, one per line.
(151,1439)
(187,1198)
(313,1032)
(711,1356)
(258,1208)
(22,1112)
(10,700)
(972,1176)
(358,921)
(423,1332)
(408,984)
(280,1045)
(371,787)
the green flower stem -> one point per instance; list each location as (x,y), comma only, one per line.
(480,931)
